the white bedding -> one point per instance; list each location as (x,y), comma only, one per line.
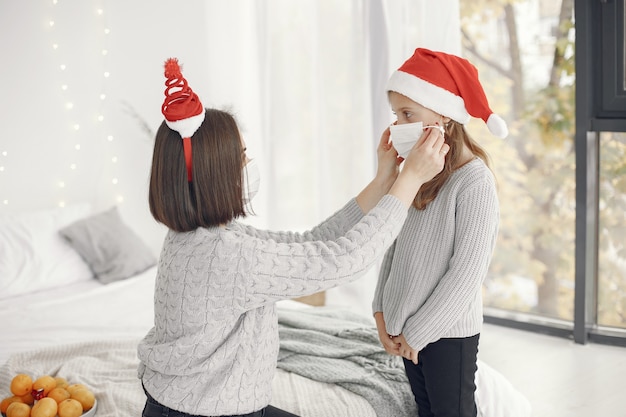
(47,329)
(80,312)
(66,330)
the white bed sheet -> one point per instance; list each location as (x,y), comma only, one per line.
(123,311)
(76,313)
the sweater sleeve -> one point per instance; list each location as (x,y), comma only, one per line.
(280,270)
(331,228)
(476,230)
(383,275)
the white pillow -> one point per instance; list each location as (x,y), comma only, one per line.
(34,256)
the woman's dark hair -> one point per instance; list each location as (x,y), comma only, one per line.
(214,196)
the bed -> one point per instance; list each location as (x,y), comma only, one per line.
(76,297)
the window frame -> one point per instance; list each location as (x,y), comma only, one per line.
(608,38)
(600,107)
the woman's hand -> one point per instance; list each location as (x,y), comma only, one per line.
(386,174)
(388,160)
(425,160)
(390,346)
(427,157)
(405,350)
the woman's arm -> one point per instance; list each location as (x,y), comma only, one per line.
(286,270)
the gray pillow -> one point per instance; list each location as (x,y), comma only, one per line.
(110,248)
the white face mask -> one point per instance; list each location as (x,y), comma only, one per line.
(405,136)
(251,181)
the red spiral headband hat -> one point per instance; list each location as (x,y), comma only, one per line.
(182,108)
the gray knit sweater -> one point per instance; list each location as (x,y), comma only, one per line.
(430,282)
(214,345)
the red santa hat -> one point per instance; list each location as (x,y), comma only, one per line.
(182,108)
(448,85)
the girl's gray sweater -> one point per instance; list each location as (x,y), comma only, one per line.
(430,282)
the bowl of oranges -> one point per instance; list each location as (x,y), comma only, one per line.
(48,396)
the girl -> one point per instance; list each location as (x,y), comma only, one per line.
(427,304)
(214,345)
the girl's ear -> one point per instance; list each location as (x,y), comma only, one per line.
(446,120)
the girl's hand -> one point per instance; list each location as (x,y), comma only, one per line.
(390,346)
(406,351)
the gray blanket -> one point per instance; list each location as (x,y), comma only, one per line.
(340,347)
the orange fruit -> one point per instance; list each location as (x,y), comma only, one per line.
(73,387)
(45,382)
(84,397)
(59,394)
(21,384)
(4,404)
(61,382)
(46,407)
(70,408)
(18,409)
(28,399)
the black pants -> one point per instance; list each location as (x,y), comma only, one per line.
(443,379)
(154,409)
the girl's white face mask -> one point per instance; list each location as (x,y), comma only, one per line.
(251,181)
(405,136)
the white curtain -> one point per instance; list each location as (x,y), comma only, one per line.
(306,79)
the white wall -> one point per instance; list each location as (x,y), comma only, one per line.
(224,51)
(40,165)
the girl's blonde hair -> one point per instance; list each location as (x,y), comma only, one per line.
(456,138)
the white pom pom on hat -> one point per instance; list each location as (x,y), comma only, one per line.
(448,85)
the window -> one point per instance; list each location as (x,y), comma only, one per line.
(524,54)
(612,229)
(560,263)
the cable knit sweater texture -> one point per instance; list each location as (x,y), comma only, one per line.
(214,345)
(430,282)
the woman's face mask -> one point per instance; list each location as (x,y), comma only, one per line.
(405,136)
(251,181)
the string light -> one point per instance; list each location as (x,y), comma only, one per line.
(83,116)
(104,51)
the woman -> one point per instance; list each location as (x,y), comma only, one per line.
(214,345)
(427,304)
